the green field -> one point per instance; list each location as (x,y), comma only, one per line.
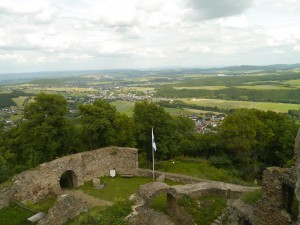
(265,87)
(124,107)
(293,82)
(139,88)
(127,108)
(226,104)
(202,88)
(20,100)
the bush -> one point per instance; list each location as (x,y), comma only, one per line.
(251,198)
(221,161)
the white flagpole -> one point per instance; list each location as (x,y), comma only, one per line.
(153,145)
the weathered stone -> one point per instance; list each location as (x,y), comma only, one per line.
(297,147)
(5,196)
(96,182)
(66,208)
(161,178)
(36,184)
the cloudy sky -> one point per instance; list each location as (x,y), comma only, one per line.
(100,34)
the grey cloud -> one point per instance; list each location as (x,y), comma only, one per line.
(211,9)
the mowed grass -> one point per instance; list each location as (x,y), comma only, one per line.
(14,215)
(201,169)
(226,104)
(20,100)
(124,107)
(117,188)
(202,88)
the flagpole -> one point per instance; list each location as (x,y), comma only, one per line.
(153,149)
(153,163)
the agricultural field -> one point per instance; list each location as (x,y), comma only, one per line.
(227,104)
(202,88)
(21,100)
(124,107)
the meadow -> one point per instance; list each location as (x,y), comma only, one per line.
(228,104)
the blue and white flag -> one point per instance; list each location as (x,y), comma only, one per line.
(153,141)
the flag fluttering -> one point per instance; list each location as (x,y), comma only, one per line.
(153,141)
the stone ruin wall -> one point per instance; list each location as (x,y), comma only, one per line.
(273,206)
(36,184)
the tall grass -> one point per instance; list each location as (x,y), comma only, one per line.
(201,169)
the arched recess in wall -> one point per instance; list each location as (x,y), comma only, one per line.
(68,179)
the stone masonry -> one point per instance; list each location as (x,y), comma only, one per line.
(36,184)
(66,207)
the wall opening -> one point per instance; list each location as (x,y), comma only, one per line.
(68,179)
(159,203)
(246,222)
(290,202)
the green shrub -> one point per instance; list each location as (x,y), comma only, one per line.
(251,198)
(221,161)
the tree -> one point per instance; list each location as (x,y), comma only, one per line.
(97,122)
(125,131)
(168,130)
(254,139)
(5,156)
(45,132)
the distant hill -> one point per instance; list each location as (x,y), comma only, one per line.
(23,77)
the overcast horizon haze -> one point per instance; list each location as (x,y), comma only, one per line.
(61,35)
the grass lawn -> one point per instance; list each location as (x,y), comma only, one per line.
(118,188)
(113,215)
(14,215)
(201,169)
(226,104)
(43,205)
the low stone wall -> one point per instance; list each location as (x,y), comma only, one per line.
(36,184)
(5,196)
(237,213)
(66,208)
